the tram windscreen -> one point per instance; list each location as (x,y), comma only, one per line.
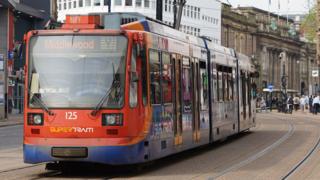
(77,71)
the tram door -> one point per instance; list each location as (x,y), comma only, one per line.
(244,94)
(196,97)
(176,59)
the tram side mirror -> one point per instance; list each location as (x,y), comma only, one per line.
(134,77)
(34,89)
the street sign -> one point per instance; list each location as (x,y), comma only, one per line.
(315,73)
(270,87)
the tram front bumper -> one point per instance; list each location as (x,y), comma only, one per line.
(112,155)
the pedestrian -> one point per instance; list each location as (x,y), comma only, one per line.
(296,103)
(302,103)
(263,104)
(316,104)
(306,102)
(310,104)
(290,104)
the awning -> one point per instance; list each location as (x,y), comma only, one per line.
(24,9)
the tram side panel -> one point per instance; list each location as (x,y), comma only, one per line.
(224,103)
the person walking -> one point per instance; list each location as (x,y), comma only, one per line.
(302,103)
(290,104)
(316,104)
(296,103)
(310,104)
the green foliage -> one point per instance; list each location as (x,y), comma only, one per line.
(309,25)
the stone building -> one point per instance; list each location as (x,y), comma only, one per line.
(264,36)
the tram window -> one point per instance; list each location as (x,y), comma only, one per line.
(225,87)
(144,80)
(154,63)
(167,84)
(133,84)
(243,88)
(204,97)
(248,90)
(220,86)
(186,85)
(215,82)
(230,81)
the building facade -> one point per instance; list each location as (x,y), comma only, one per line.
(16,18)
(199,19)
(264,36)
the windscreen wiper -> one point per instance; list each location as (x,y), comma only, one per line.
(97,108)
(42,104)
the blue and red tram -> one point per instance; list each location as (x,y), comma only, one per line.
(130,95)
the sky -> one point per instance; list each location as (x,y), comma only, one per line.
(290,6)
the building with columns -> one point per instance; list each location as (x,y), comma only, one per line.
(264,36)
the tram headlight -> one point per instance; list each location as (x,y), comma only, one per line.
(112,119)
(35,119)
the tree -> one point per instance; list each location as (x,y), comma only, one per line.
(309,25)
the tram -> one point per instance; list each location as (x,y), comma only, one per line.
(130,95)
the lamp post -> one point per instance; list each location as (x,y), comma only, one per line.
(282,58)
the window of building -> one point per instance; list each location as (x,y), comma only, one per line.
(80,3)
(118,3)
(188,10)
(138,3)
(198,13)
(87,2)
(169,6)
(60,7)
(191,11)
(184,11)
(128,2)
(65,5)
(106,2)
(154,61)
(166,5)
(147,3)
(96,3)
(74,4)
(69,4)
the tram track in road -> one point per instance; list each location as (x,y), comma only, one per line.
(304,160)
(282,161)
(260,153)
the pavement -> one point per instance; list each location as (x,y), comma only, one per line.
(12,120)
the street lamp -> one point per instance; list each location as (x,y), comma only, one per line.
(282,58)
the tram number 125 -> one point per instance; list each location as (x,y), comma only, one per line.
(71,115)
